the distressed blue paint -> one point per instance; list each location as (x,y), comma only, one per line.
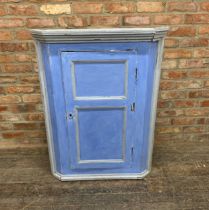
(89,74)
(100,79)
(101,133)
(50,86)
(105,121)
(151,61)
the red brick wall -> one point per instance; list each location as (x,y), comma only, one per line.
(183,108)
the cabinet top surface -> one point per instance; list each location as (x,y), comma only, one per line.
(101,34)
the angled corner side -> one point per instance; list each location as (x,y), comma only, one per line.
(45,102)
(154,99)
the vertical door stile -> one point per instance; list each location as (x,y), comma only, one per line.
(134,104)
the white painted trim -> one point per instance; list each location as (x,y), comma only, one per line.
(101,161)
(98,35)
(83,98)
(78,177)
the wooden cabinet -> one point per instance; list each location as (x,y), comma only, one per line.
(100,91)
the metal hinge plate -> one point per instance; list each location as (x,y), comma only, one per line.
(133,106)
(136,74)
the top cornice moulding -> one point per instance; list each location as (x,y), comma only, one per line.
(99,35)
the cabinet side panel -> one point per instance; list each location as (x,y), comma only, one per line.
(150,101)
(156,83)
(47,95)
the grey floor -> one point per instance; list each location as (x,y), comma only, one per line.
(179,180)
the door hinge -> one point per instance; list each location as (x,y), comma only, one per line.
(136,74)
(133,106)
(132,154)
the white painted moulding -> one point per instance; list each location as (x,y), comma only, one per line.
(98,35)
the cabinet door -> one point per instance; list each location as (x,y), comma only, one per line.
(100,94)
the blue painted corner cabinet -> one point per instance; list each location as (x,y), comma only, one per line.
(100,90)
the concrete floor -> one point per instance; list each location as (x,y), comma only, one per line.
(179,180)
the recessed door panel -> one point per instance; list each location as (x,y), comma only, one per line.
(95,79)
(100,92)
(107,145)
